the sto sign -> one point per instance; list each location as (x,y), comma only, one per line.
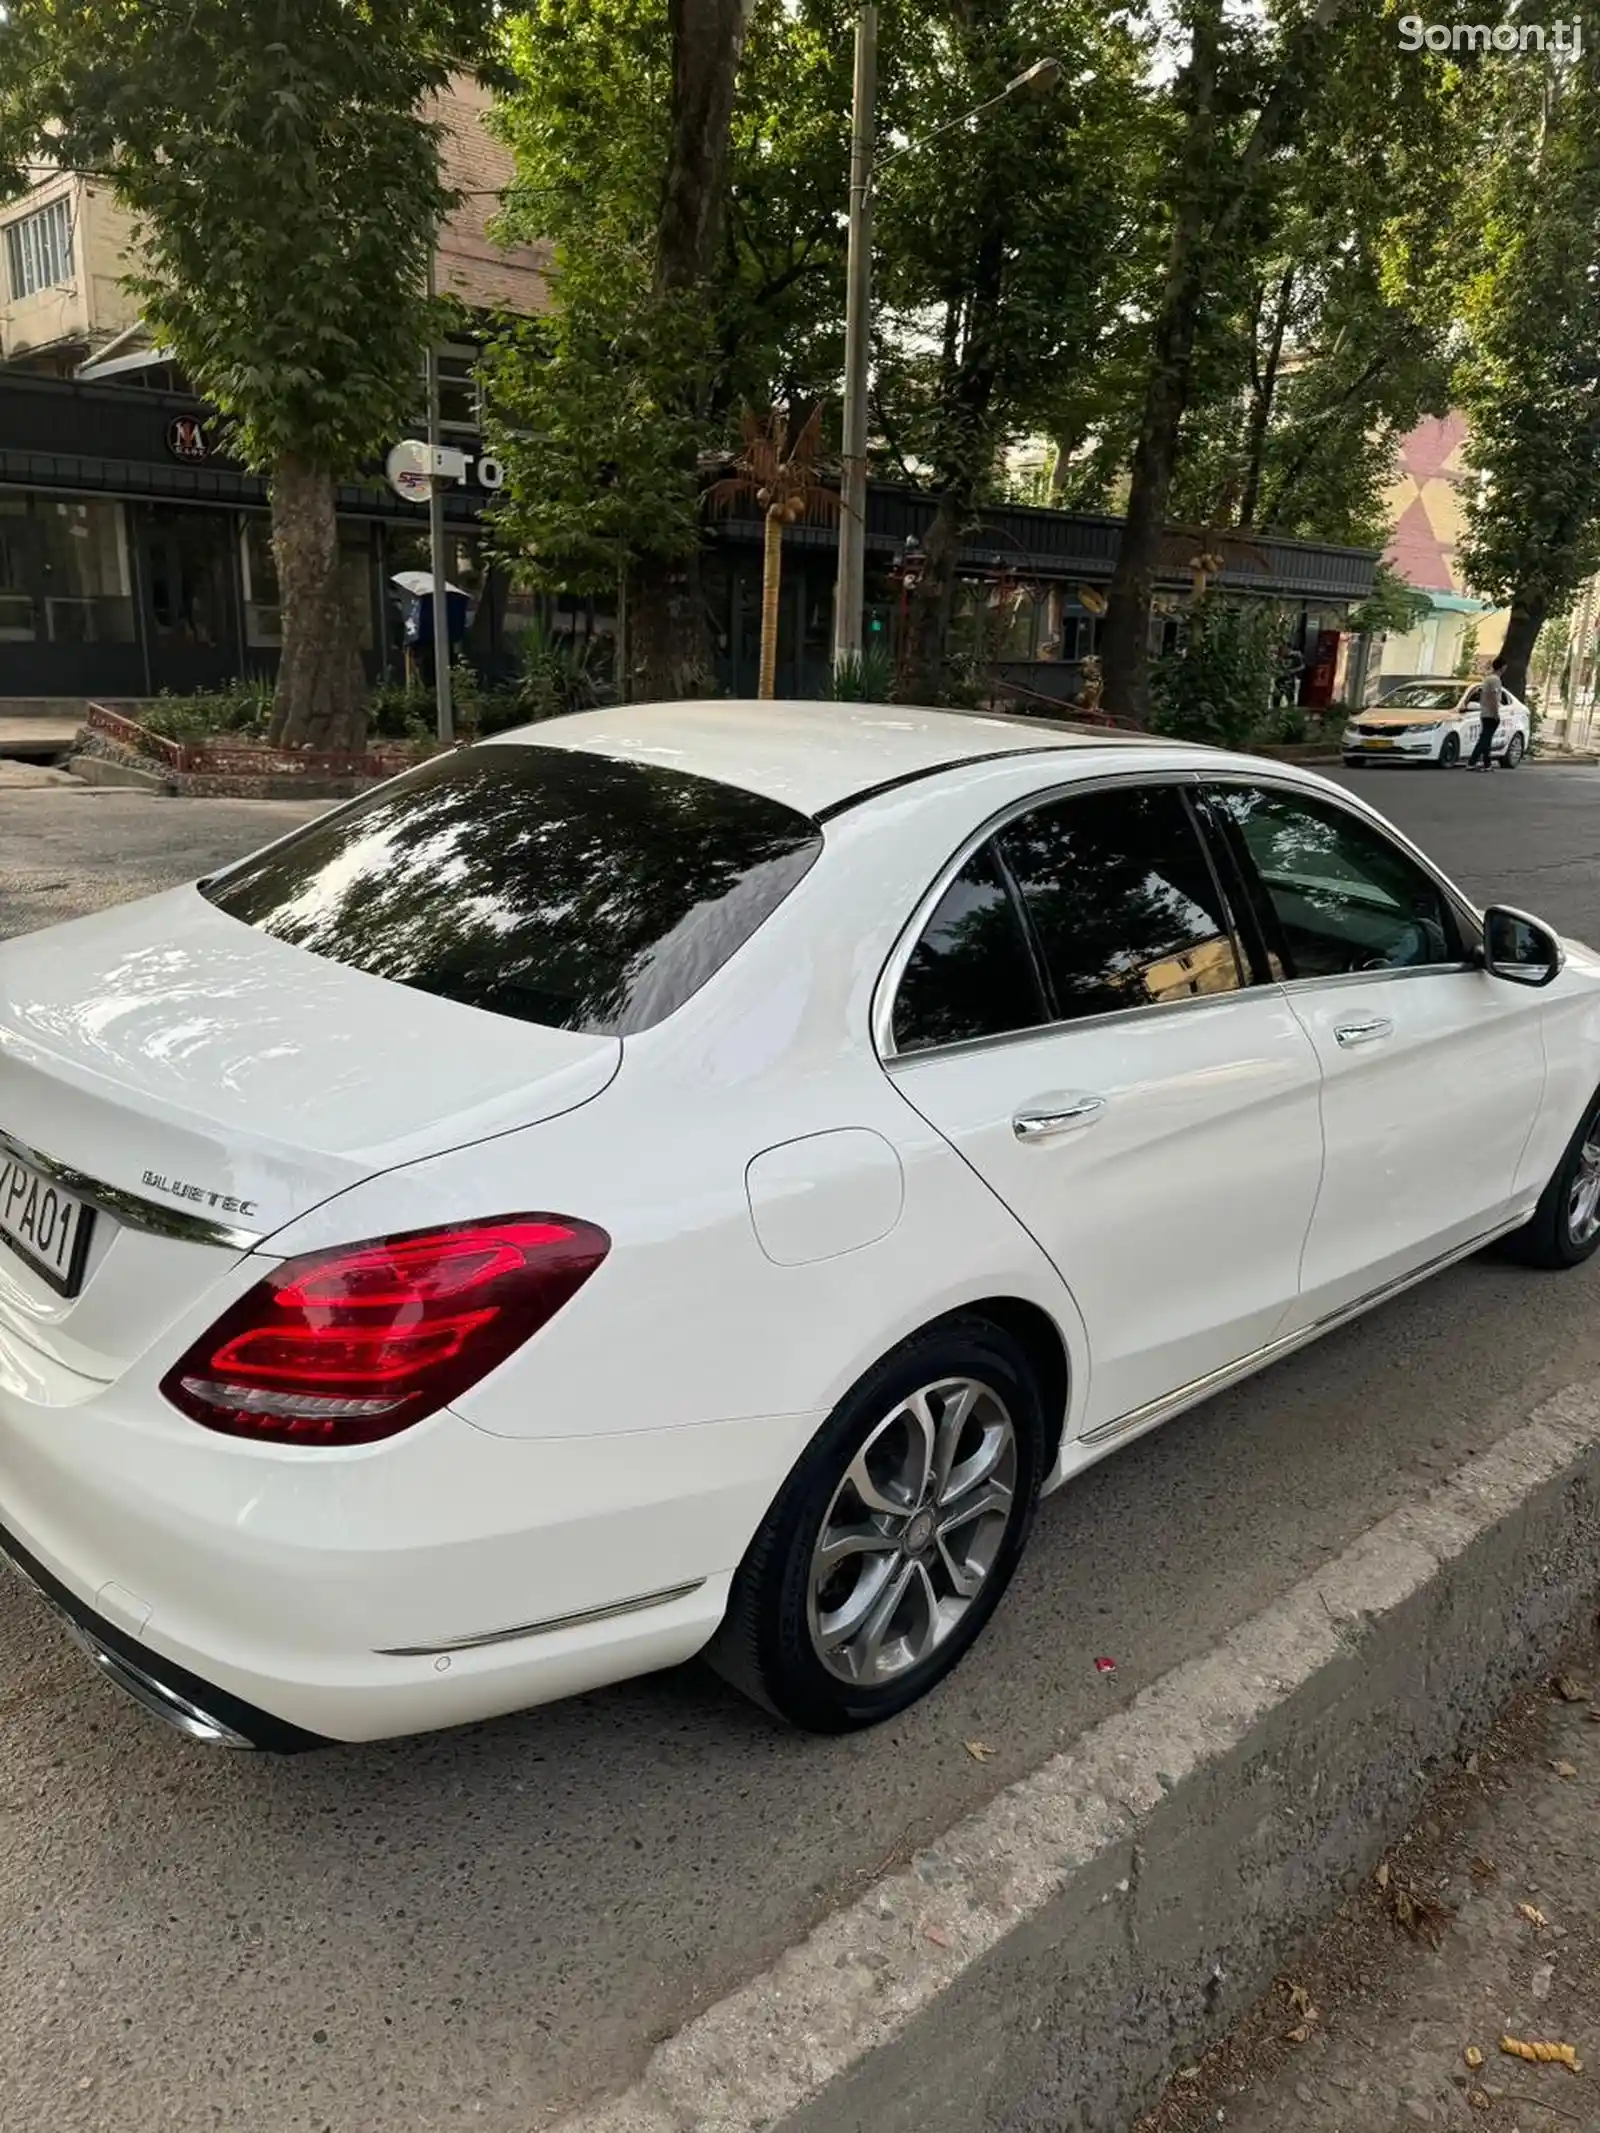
(412,472)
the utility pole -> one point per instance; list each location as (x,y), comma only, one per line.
(1036,81)
(850,592)
(436,542)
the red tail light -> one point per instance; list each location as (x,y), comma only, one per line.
(348,1346)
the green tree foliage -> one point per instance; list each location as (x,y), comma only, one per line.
(1217,686)
(1324,343)
(1004,246)
(1287,127)
(286,192)
(613,404)
(1531,379)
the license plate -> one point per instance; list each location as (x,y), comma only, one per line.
(1377,744)
(44,1225)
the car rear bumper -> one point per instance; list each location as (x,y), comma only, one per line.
(276,1598)
(193,1707)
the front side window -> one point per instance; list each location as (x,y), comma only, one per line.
(543,884)
(971,973)
(1122,900)
(1343,897)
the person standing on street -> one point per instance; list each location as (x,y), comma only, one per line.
(1490,698)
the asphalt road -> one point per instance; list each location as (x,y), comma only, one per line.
(469,1929)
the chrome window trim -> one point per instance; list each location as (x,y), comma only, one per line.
(1113,1018)
(131,1209)
(894,969)
(1385,976)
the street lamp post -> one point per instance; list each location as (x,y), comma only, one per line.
(444,709)
(1037,80)
(857,324)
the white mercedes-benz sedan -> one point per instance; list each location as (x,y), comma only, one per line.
(692,1176)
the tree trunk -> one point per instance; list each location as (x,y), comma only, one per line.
(771,588)
(707,45)
(667,638)
(669,646)
(930,611)
(321,699)
(1265,391)
(1125,634)
(1528,612)
(967,388)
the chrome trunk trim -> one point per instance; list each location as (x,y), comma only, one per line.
(130,1208)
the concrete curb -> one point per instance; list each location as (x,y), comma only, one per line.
(1049,1961)
(101,770)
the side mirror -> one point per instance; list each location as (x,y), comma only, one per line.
(1520,949)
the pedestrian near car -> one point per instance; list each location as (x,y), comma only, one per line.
(1490,699)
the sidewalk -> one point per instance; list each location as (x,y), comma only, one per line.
(1372,2032)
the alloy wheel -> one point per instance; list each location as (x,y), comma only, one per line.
(912,1531)
(1583,1200)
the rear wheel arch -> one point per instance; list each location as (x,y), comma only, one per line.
(1041,1339)
(1044,1341)
(767,1644)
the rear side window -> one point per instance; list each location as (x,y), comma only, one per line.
(1123,901)
(544,884)
(971,974)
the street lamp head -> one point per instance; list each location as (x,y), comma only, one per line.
(1039,80)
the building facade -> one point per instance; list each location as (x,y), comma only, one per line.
(135,557)
(67,246)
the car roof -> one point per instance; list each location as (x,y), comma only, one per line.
(815,756)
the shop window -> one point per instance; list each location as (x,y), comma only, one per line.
(263,620)
(1080,635)
(18,622)
(1012,621)
(84,550)
(39,249)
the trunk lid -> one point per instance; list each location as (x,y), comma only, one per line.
(206,1071)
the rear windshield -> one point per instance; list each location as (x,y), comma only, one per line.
(544,884)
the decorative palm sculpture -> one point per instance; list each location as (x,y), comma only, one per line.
(785,480)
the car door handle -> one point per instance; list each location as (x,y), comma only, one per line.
(1372,1031)
(1064,1115)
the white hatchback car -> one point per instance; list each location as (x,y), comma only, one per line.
(1435,722)
(693,1175)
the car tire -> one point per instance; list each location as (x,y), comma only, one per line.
(1449,752)
(809,1599)
(1564,1229)
(1516,749)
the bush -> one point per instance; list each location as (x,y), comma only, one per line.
(396,712)
(241,709)
(864,677)
(557,673)
(1217,687)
